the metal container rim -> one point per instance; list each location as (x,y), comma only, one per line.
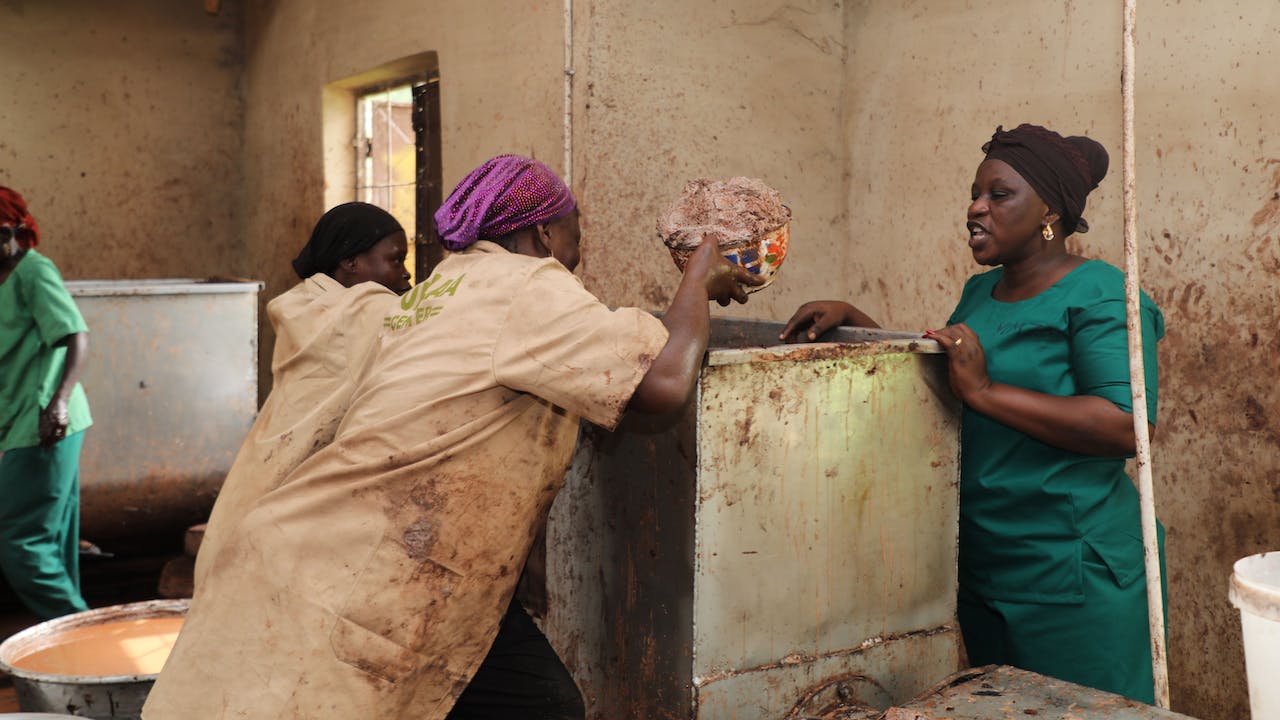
(162,286)
(97,616)
(1258,596)
(736,341)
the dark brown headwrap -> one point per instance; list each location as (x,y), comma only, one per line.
(1062,170)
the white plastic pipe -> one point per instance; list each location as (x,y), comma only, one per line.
(1137,376)
(568,93)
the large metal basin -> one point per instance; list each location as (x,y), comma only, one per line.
(793,529)
(172,381)
(110,697)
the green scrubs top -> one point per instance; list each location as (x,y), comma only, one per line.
(36,311)
(1028,510)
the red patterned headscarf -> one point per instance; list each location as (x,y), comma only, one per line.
(505,194)
(13,212)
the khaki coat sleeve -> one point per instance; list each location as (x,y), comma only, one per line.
(561,343)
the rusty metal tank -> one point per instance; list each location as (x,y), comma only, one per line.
(790,535)
(172,381)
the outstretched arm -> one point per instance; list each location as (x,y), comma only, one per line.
(53,418)
(1085,424)
(707,276)
(816,317)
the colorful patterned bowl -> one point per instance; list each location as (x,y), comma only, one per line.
(763,257)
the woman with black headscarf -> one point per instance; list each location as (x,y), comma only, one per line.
(356,242)
(1051,559)
(352,264)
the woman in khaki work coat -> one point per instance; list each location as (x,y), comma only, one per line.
(372,583)
(354,258)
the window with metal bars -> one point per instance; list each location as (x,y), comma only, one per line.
(397,163)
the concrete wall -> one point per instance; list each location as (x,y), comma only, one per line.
(927,82)
(668,91)
(500,92)
(121,125)
(664,93)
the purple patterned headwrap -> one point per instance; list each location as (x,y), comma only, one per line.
(505,194)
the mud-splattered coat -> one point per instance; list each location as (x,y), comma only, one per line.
(324,335)
(371,583)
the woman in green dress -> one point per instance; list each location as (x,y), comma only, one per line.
(1051,559)
(43,415)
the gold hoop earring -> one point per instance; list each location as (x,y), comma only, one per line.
(1047,232)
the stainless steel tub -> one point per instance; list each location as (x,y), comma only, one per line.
(172,381)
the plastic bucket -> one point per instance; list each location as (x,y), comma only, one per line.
(1255,589)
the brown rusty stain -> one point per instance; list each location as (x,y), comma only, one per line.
(1255,414)
(744,427)
(425,496)
(832,351)
(162,501)
(797,658)
(842,708)
(419,539)
(1271,208)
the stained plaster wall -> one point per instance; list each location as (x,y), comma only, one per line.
(668,91)
(500,92)
(926,84)
(121,125)
(665,92)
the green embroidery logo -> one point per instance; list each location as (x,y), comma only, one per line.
(435,286)
(413,301)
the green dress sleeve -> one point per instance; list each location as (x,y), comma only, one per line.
(1100,351)
(54,311)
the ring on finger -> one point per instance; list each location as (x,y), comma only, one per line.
(958,341)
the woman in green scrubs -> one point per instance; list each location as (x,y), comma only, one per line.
(1051,559)
(43,415)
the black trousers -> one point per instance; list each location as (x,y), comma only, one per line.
(521,678)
